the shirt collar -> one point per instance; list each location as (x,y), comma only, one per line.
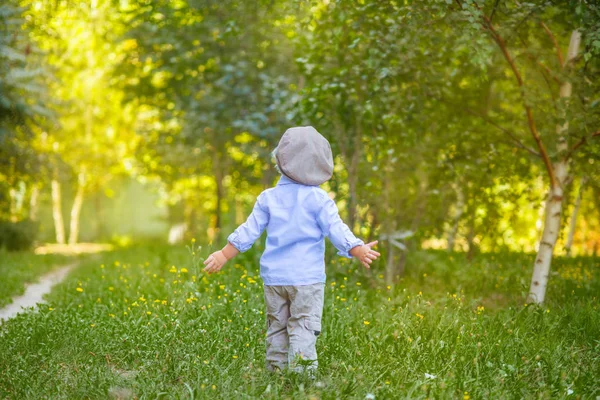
(284,180)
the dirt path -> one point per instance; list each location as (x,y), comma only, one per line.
(35,291)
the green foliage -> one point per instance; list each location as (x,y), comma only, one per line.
(23,106)
(144,321)
(18,235)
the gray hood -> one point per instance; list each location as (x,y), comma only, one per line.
(304,156)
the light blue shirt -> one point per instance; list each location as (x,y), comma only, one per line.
(297,218)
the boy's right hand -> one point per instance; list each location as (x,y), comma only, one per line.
(365,254)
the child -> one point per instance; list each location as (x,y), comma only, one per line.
(297,215)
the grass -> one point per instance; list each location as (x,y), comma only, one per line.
(144,322)
(17,269)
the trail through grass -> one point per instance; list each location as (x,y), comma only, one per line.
(20,268)
(146,322)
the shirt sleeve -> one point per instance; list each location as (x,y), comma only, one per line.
(338,232)
(246,234)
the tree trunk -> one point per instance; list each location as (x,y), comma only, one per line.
(33,202)
(12,194)
(573,223)
(59,226)
(460,205)
(353,179)
(472,247)
(390,267)
(75,213)
(219,194)
(552,220)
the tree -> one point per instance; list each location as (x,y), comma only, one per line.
(574,125)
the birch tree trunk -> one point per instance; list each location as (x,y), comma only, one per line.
(554,202)
(59,226)
(76,211)
(573,222)
(33,202)
(12,194)
(460,205)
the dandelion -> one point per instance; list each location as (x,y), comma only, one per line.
(366,322)
(358,283)
(173,269)
(235,357)
(79,289)
(184,270)
(148,312)
(466,396)
(110,288)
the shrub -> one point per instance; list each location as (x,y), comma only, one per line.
(17,235)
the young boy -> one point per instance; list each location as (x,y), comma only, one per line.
(298,215)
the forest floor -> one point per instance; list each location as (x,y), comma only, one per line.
(145,322)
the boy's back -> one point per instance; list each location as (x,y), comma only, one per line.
(297,218)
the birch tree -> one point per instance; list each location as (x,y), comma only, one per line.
(555,151)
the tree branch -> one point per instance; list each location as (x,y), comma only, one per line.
(514,139)
(531,122)
(511,135)
(581,142)
(556,46)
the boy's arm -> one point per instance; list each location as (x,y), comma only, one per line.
(241,239)
(342,237)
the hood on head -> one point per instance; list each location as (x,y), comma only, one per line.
(305,156)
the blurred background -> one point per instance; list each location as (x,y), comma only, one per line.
(127,121)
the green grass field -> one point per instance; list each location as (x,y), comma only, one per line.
(145,322)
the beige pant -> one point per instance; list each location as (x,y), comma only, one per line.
(293,324)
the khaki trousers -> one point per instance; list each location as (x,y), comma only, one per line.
(293,324)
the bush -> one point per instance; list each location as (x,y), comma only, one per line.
(17,235)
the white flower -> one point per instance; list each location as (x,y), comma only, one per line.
(569,392)
(370,396)
(429,376)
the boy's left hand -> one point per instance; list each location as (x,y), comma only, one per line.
(215,262)
(365,254)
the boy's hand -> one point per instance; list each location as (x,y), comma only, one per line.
(365,254)
(215,262)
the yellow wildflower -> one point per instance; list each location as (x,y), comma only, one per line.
(79,289)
